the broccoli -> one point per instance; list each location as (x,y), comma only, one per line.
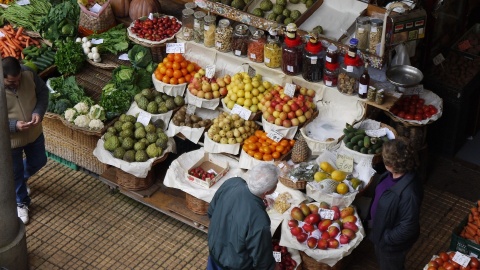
(62,105)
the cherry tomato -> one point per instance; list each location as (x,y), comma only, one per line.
(401,114)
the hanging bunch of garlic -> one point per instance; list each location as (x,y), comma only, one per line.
(89,50)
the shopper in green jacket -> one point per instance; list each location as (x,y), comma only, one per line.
(239,233)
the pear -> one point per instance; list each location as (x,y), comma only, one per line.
(297,214)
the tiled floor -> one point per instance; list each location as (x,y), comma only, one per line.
(77,223)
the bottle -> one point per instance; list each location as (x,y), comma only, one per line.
(223,36)
(187,24)
(198,26)
(352,48)
(273,50)
(332,54)
(364,83)
(330,74)
(292,51)
(256,46)
(240,40)
(209,29)
(313,60)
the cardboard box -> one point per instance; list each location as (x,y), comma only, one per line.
(207,163)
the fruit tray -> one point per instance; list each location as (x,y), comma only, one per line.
(146,42)
(220,168)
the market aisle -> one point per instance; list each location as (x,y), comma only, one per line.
(77,223)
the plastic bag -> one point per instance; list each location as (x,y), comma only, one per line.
(401,56)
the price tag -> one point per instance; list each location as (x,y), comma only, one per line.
(464,45)
(313,60)
(289,89)
(281,165)
(96,41)
(376,132)
(144,118)
(253,56)
(175,48)
(241,111)
(274,135)
(461,259)
(289,68)
(278,256)
(150,16)
(373,29)
(238,52)
(326,213)
(438,59)
(251,71)
(2,34)
(206,27)
(23,2)
(123,56)
(210,71)
(344,163)
(267,60)
(96,8)
(191,109)
(349,68)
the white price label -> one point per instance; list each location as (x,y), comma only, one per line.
(344,163)
(2,34)
(289,68)
(328,59)
(438,59)
(313,60)
(191,109)
(96,41)
(196,24)
(150,16)
(24,3)
(252,55)
(241,111)
(212,171)
(210,71)
(289,89)
(373,29)
(376,132)
(278,256)
(274,135)
(144,118)
(267,60)
(123,56)
(461,259)
(175,48)
(238,52)
(328,83)
(326,213)
(349,68)
(206,27)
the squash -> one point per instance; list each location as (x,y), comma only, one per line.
(120,7)
(140,8)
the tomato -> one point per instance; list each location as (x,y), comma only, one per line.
(433,264)
(448,266)
(421,101)
(418,117)
(401,114)
(444,256)
(414,97)
(474,263)
(439,261)
(433,110)
(409,116)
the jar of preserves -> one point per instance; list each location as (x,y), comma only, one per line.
(273,50)
(256,46)
(362,31)
(209,29)
(223,36)
(330,74)
(313,60)
(379,97)
(352,48)
(187,24)
(332,54)
(372,91)
(240,40)
(375,36)
(350,71)
(198,25)
(292,51)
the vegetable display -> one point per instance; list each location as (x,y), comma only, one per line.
(27,16)
(69,57)
(61,22)
(115,40)
(66,93)
(14,41)
(86,117)
(38,58)
(472,228)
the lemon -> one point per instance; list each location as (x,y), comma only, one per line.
(338,175)
(342,188)
(319,176)
(326,167)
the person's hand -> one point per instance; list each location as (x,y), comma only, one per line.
(36,119)
(22,125)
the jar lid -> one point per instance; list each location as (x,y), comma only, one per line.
(209,18)
(199,14)
(273,32)
(188,12)
(332,48)
(354,41)
(376,22)
(223,23)
(191,5)
(313,47)
(241,29)
(363,20)
(293,42)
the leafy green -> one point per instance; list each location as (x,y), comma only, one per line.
(69,57)
(144,79)
(68,89)
(28,16)
(116,100)
(62,105)
(115,40)
(124,75)
(140,56)
(67,12)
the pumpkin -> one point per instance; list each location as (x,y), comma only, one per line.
(120,7)
(140,8)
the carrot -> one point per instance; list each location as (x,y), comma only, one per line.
(34,41)
(470,217)
(474,211)
(468,236)
(19,32)
(472,226)
(471,231)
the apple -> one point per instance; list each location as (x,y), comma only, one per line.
(286,123)
(312,242)
(271,119)
(223,91)
(322,244)
(308,114)
(298,112)
(336,210)
(304,108)
(324,224)
(302,237)
(221,83)
(268,96)
(278,122)
(293,223)
(208,95)
(303,90)
(313,208)
(216,94)
(333,243)
(278,107)
(349,219)
(276,114)
(200,94)
(194,92)
(310,92)
(308,227)
(291,115)
(286,108)
(312,219)
(350,225)
(333,231)
(295,122)
(283,115)
(325,235)
(296,231)
(349,233)
(294,106)
(302,119)
(227,79)
(270,110)
(344,239)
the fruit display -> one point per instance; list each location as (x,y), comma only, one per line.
(261,147)
(281,11)
(323,226)
(413,108)
(246,91)
(283,110)
(181,118)
(131,141)
(200,173)
(208,88)
(333,180)
(156,29)
(286,261)
(444,260)
(231,129)
(357,140)
(175,69)
(471,231)
(155,102)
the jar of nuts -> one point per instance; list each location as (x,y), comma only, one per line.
(209,29)
(240,40)
(348,75)
(223,36)
(362,31)
(198,26)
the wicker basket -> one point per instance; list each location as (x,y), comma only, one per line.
(301,184)
(131,182)
(196,205)
(109,61)
(91,22)
(308,263)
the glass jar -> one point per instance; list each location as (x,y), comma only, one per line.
(362,31)
(375,36)
(209,29)
(256,46)
(352,48)
(330,74)
(223,36)
(187,24)
(332,54)
(198,25)
(273,50)
(372,91)
(191,5)
(313,61)
(240,40)
(348,76)
(379,97)
(292,51)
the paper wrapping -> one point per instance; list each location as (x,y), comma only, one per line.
(169,89)
(288,133)
(213,147)
(192,134)
(138,169)
(247,162)
(175,176)
(329,256)
(165,117)
(163,41)
(430,99)
(211,104)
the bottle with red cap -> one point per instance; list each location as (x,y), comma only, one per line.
(350,70)
(313,60)
(292,51)
(330,73)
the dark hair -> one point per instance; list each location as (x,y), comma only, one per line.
(11,66)
(399,155)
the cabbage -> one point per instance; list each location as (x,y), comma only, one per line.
(140,56)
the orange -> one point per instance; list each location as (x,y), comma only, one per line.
(177,73)
(176,66)
(161,64)
(159,76)
(188,77)
(284,143)
(166,79)
(184,71)
(258,155)
(267,157)
(276,155)
(252,147)
(190,67)
(251,153)
(292,142)
(165,60)
(279,148)
(162,70)
(169,72)
(173,80)
(178,58)
(272,148)
(264,136)
(254,139)
(285,151)
(259,133)
(171,57)
(245,147)
(267,150)
(184,64)
(181,80)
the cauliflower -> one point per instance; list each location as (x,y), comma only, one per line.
(81,107)
(95,124)
(82,120)
(97,112)
(70,114)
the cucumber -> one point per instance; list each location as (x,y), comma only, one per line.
(41,66)
(360,143)
(360,131)
(366,142)
(50,54)
(377,145)
(356,148)
(43,59)
(346,139)
(371,151)
(363,150)
(350,136)
(350,145)
(385,138)
(357,138)
(346,131)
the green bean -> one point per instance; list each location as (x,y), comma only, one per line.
(27,16)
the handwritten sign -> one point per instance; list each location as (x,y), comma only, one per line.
(289,89)
(461,259)
(278,256)
(464,45)
(144,118)
(275,135)
(438,59)
(210,71)
(241,111)
(344,163)
(326,213)
(150,16)
(123,56)
(96,41)
(175,48)
(191,109)
(251,71)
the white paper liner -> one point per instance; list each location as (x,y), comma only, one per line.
(213,147)
(211,104)
(175,176)
(295,254)
(165,117)
(192,134)
(329,256)
(169,89)
(430,99)
(247,162)
(288,133)
(138,169)
(129,30)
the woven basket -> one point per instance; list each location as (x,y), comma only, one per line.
(131,182)
(301,184)
(109,61)
(158,50)
(308,263)
(196,205)
(90,22)
(93,79)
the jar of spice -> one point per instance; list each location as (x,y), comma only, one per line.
(198,25)
(187,24)
(256,46)
(330,74)
(292,51)
(375,36)
(350,71)
(362,31)
(223,36)
(273,50)
(313,60)
(379,97)
(209,29)
(372,91)
(240,40)
(332,54)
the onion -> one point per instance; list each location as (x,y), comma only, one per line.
(94,50)
(84,39)
(95,56)
(86,50)
(90,55)
(78,40)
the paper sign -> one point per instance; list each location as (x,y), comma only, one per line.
(123,56)
(150,16)
(96,41)
(23,2)
(96,8)
(241,111)
(175,48)
(278,256)
(344,163)
(289,89)
(326,213)
(191,109)
(438,59)
(464,45)
(210,71)
(144,118)
(376,132)
(274,135)
(461,259)
(251,71)
(313,60)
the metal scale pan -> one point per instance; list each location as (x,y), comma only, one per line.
(404,76)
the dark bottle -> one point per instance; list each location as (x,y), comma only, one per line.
(364,83)
(313,60)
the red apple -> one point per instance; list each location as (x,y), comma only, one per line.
(337,212)
(270,110)
(283,115)
(325,235)
(293,223)
(298,112)
(322,244)
(286,108)
(291,115)
(268,96)
(223,91)
(333,243)
(333,231)
(350,225)
(312,219)
(296,231)
(286,123)
(302,119)
(278,108)
(312,242)
(344,239)
(349,233)
(324,224)
(294,106)
(308,227)
(302,237)
(271,119)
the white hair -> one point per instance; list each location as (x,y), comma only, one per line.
(262,178)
